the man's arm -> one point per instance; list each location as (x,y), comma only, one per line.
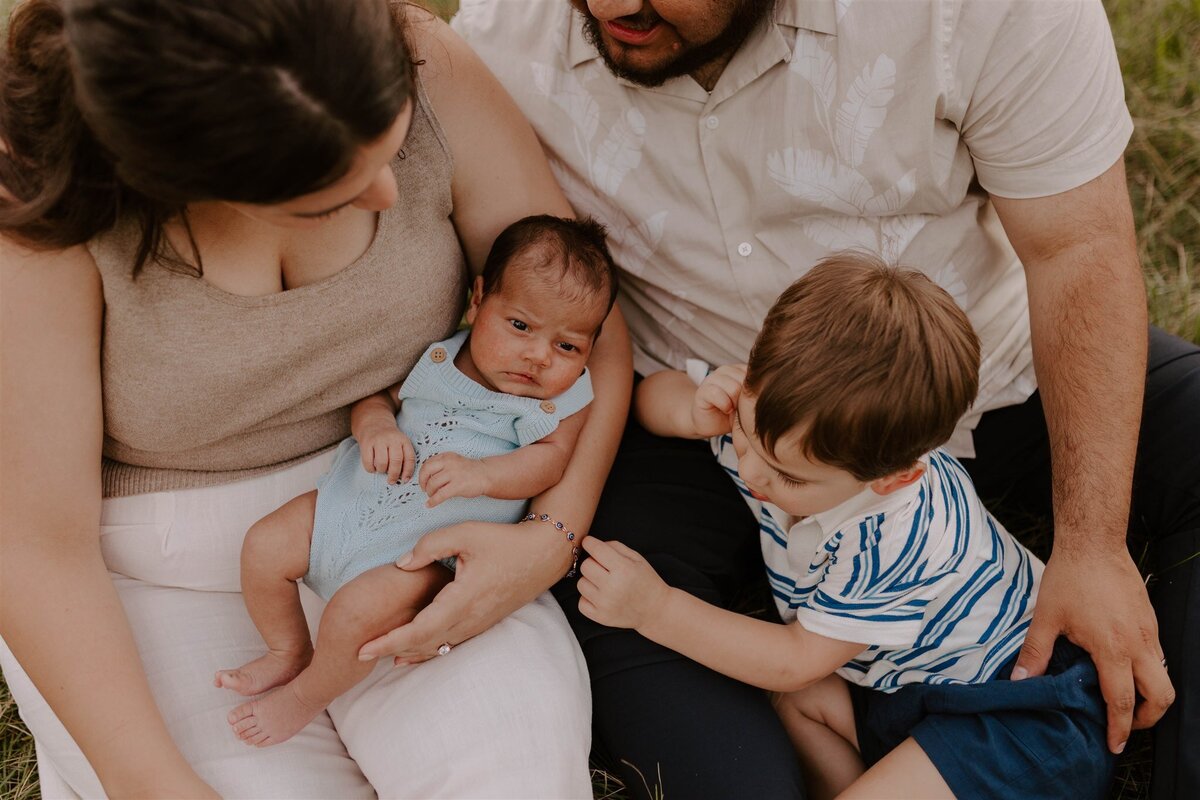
(1087,310)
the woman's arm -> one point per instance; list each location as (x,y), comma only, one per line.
(59,611)
(501,175)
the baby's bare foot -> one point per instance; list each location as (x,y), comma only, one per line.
(276,668)
(272,719)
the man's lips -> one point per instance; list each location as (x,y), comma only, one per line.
(633,36)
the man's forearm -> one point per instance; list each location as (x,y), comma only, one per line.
(1087,311)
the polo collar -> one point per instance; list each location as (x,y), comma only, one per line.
(866,504)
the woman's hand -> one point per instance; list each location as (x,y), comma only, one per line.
(500,568)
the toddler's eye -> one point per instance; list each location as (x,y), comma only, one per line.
(790,481)
(519,325)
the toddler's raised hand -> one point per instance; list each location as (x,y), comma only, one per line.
(385,448)
(449,475)
(617,587)
(715,399)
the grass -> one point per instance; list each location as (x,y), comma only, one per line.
(1158,42)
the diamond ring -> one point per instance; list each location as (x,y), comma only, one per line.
(444,648)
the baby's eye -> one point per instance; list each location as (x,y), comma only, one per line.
(519,325)
(790,481)
(568,347)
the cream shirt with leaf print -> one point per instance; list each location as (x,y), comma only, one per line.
(873,124)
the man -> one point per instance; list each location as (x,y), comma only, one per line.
(729,145)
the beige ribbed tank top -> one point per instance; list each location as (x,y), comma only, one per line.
(203,387)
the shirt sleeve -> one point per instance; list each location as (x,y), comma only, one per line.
(869,593)
(1044,110)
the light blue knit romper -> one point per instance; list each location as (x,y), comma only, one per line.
(362,522)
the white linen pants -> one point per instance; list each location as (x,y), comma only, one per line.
(506,714)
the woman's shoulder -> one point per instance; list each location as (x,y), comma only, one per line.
(451,74)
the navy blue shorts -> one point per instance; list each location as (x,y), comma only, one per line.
(1040,737)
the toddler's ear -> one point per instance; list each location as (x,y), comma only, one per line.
(897,480)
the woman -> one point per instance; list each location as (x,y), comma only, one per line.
(223,223)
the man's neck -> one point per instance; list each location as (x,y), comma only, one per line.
(708,75)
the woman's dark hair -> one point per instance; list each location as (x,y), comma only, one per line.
(113,108)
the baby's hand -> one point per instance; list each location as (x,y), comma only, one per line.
(716,397)
(385,448)
(617,587)
(449,475)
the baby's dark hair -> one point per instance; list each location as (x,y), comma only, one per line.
(569,248)
(878,362)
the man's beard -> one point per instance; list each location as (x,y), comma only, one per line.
(743,20)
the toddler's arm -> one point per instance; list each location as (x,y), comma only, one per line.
(519,475)
(668,403)
(618,588)
(383,446)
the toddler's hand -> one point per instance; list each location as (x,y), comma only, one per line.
(716,397)
(449,475)
(617,587)
(385,448)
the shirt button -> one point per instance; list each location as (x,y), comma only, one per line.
(744,249)
(547,406)
(437,355)
(711,123)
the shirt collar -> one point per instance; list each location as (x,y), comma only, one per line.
(813,15)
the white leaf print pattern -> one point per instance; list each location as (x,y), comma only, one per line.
(620,151)
(949,279)
(815,64)
(632,245)
(840,232)
(895,198)
(566,92)
(814,176)
(897,232)
(864,109)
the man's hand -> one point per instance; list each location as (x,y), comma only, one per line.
(716,398)
(1099,602)
(449,475)
(617,587)
(500,568)
(385,448)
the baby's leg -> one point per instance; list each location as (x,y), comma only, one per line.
(367,607)
(820,722)
(274,556)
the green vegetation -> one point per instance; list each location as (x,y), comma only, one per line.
(1159,46)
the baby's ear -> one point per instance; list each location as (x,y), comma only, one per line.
(897,480)
(476,299)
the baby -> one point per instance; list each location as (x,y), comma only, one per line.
(905,601)
(484,421)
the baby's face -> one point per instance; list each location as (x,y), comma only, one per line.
(787,478)
(532,339)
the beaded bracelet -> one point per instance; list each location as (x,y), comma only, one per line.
(570,538)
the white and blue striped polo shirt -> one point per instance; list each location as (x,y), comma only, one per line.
(925,575)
